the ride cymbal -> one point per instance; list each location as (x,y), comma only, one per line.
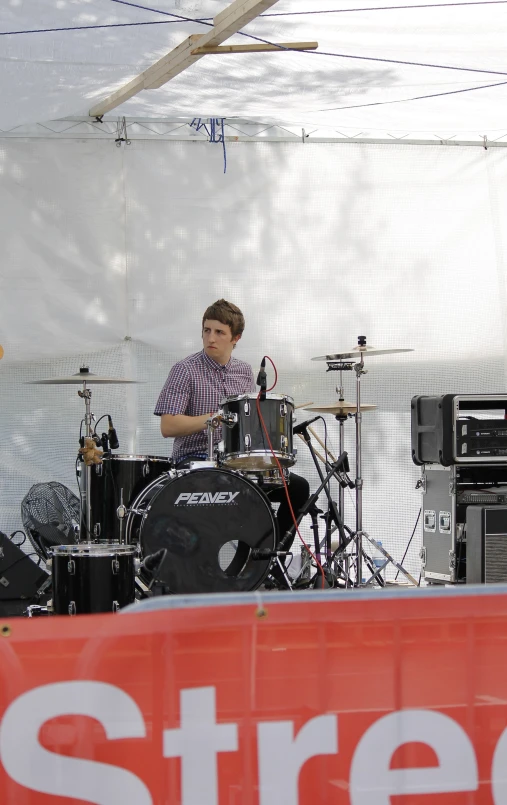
(355,352)
(80,377)
(341,407)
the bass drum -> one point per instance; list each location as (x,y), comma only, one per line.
(209,521)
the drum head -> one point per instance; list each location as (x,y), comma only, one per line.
(209,521)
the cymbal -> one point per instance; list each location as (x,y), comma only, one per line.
(80,377)
(355,352)
(1,352)
(341,407)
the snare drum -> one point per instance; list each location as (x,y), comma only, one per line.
(114,485)
(92,578)
(245,444)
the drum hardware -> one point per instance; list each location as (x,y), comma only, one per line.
(35,610)
(341,361)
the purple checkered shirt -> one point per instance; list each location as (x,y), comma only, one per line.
(196,386)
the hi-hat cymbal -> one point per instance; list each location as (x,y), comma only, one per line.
(340,407)
(79,378)
(355,352)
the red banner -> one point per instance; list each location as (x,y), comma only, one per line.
(331,698)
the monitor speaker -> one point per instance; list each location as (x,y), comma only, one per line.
(486,540)
(20,577)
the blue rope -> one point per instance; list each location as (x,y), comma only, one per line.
(211,132)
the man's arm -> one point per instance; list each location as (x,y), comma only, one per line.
(181,424)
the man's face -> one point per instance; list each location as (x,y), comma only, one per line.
(218,341)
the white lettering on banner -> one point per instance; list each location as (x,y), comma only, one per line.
(281,757)
(200,738)
(197,742)
(198,498)
(32,766)
(499,771)
(372,782)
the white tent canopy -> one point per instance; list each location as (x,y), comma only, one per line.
(110,252)
(359,81)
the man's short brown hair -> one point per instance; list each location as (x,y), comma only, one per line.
(226,313)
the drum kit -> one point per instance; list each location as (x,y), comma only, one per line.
(147,527)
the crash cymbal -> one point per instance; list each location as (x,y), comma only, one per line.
(1,352)
(83,376)
(341,407)
(355,352)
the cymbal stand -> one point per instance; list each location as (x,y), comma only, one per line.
(334,470)
(86,395)
(359,533)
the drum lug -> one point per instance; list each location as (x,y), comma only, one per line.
(98,469)
(146,470)
(284,443)
(115,566)
(116,606)
(72,608)
(247,408)
(121,511)
(96,530)
(71,567)
(283,409)
(248,441)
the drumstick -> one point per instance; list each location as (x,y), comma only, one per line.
(303,405)
(322,443)
(315,451)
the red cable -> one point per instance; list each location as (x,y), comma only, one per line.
(280,469)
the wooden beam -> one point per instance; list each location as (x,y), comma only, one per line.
(225,24)
(138,83)
(283,47)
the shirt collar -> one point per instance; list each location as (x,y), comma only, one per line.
(214,364)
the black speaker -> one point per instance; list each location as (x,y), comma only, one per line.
(486,532)
(20,577)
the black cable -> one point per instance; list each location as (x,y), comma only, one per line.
(409,542)
(18,544)
(407,100)
(21,559)
(313,52)
(261,16)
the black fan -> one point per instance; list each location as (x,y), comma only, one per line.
(51,516)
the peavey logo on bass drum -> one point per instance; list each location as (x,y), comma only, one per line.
(198,498)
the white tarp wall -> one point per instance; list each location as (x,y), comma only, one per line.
(110,255)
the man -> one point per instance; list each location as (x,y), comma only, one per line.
(197,385)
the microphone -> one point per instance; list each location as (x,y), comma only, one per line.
(267,553)
(261,379)
(153,561)
(304,425)
(113,438)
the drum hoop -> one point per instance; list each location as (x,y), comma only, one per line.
(254,395)
(111,549)
(128,457)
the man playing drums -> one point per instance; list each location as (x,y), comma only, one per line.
(195,388)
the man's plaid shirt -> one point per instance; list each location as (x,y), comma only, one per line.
(197,385)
